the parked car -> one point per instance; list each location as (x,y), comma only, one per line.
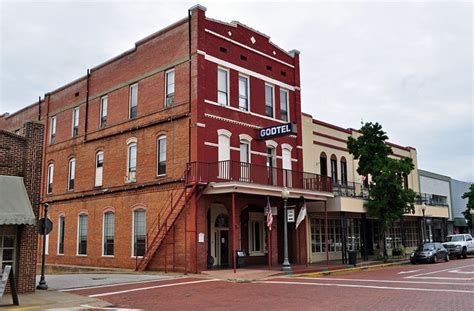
(459,245)
(429,252)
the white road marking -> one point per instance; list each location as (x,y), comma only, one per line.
(461,272)
(373,287)
(118,284)
(423,275)
(101,308)
(411,271)
(150,287)
(388,281)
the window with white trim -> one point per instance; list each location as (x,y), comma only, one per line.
(52,130)
(8,246)
(343,171)
(103,112)
(334,169)
(139,232)
(284,105)
(71,174)
(243,93)
(169,83)
(49,186)
(132,162)
(223,154)
(269,101)
(108,234)
(222,86)
(161,152)
(75,122)
(256,234)
(133,101)
(82,234)
(99,168)
(61,223)
(244,160)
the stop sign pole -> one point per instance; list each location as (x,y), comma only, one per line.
(42,283)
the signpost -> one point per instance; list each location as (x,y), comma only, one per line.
(45,226)
(291,215)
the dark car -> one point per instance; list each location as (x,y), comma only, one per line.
(429,252)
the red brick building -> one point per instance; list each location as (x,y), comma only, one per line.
(153,159)
(20,177)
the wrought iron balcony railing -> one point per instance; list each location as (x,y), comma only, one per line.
(225,171)
(431,199)
(350,189)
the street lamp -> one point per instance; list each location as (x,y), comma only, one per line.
(423,210)
(42,283)
(472,220)
(286,264)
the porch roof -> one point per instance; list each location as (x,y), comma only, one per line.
(15,206)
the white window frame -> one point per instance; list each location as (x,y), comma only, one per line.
(273,100)
(133,230)
(287,104)
(161,137)
(227,86)
(96,184)
(128,176)
(87,235)
(103,232)
(52,131)
(103,103)
(256,218)
(170,95)
(71,173)
(59,234)
(75,121)
(50,178)
(248,91)
(132,86)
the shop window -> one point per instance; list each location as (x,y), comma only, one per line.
(139,232)
(8,246)
(256,234)
(61,223)
(82,234)
(109,234)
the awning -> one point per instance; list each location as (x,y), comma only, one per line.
(460,222)
(15,206)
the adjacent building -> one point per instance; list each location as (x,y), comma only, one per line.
(20,180)
(458,206)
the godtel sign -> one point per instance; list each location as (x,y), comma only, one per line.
(274,131)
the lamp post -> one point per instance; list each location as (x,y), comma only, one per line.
(286,264)
(472,221)
(423,229)
(42,283)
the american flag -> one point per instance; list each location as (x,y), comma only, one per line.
(269,215)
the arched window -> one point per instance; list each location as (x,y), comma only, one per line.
(223,141)
(61,223)
(49,186)
(334,169)
(108,233)
(71,174)
(99,167)
(139,232)
(286,164)
(82,229)
(131,160)
(161,156)
(323,164)
(343,171)
(245,157)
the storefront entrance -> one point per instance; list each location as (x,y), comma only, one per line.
(219,233)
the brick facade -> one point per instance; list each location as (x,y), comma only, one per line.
(22,156)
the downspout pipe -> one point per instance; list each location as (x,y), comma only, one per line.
(87,104)
(189,83)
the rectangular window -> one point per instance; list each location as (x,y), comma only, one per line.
(334,171)
(222,87)
(139,232)
(52,133)
(75,122)
(256,234)
(344,172)
(161,155)
(243,93)
(103,112)
(109,234)
(132,161)
(284,105)
(99,164)
(244,162)
(133,101)
(61,235)
(72,173)
(169,77)
(50,178)
(82,235)
(8,246)
(269,101)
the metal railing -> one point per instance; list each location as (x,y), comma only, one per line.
(225,171)
(350,189)
(431,199)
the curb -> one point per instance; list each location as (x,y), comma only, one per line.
(352,269)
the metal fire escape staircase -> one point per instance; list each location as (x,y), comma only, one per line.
(165,220)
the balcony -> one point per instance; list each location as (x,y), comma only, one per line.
(246,173)
(350,189)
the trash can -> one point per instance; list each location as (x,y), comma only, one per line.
(240,256)
(352,257)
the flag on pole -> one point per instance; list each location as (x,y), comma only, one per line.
(301,215)
(269,215)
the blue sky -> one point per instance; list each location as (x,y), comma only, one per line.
(407,65)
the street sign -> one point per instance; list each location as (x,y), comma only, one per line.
(41,225)
(275,131)
(291,215)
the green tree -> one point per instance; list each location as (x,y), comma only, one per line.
(388,198)
(470,204)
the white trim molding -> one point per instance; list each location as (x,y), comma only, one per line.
(287,147)
(245,137)
(224,132)
(271,143)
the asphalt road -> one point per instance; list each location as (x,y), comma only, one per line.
(442,286)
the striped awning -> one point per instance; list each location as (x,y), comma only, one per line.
(15,206)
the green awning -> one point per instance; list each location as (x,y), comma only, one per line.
(15,206)
(460,222)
